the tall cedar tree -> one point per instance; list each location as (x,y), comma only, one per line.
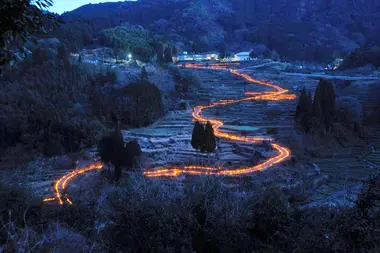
(111,150)
(174,51)
(302,106)
(144,74)
(324,103)
(197,138)
(160,53)
(309,103)
(209,138)
(168,55)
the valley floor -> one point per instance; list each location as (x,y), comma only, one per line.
(334,177)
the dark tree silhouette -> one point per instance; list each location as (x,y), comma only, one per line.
(209,138)
(111,150)
(168,57)
(19,21)
(302,106)
(304,111)
(144,74)
(197,138)
(160,53)
(324,103)
(133,152)
(309,103)
(174,51)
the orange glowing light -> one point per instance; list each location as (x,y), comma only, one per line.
(283,152)
(61,183)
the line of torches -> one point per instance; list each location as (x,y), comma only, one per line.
(283,152)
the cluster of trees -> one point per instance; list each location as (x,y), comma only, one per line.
(111,149)
(202,25)
(203,138)
(361,57)
(53,104)
(318,112)
(165,53)
(143,44)
(185,81)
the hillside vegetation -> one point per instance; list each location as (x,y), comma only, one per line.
(300,30)
(54,104)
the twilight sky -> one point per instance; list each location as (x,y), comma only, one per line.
(61,6)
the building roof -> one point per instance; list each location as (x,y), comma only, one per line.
(242,53)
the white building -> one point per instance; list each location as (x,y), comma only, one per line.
(242,56)
(198,57)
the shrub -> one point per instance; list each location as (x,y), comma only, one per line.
(270,218)
(272,130)
(190,81)
(186,80)
(157,215)
(145,104)
(134,152)
(144,217)
(105,76)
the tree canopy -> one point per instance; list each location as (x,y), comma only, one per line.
(19,21)
(209,138)
(324,102)
(197,138)
(111,149)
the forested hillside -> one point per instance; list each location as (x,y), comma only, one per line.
(313,30)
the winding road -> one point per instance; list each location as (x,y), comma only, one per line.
(283,152)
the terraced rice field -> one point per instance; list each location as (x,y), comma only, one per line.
(167,142)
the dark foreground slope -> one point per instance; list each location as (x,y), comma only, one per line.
(300,29)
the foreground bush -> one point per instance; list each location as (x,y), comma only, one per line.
(158,215)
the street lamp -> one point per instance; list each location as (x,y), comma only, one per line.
(129,56)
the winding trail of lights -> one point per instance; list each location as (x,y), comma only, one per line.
(283,152)
(61,184)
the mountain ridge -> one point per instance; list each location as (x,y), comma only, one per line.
(312,30)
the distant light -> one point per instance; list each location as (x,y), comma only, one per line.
(129,56)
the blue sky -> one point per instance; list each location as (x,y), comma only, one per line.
(61,6)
